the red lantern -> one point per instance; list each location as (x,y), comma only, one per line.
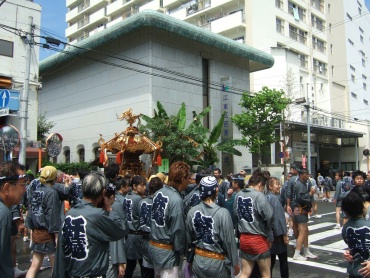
(118,158)
(101,157)
(159,160)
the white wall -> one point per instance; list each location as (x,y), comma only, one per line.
(83,97)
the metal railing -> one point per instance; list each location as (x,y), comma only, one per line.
(83,22)
(83,6)
(198,6)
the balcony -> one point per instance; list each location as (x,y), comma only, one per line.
(187,10)
(71,2)
(152,5)
(83,6)
(167,3)
(83,22)
(198,6)
(117,7)
(87,6)
(96,18)
(227,22)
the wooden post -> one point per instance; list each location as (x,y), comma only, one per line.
(40,149)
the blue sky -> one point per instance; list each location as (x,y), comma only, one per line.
(54,23)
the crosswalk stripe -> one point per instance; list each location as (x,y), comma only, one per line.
(322,235)
(319,226)
(319,265)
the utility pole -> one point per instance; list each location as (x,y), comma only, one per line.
(307,106)
(24,98)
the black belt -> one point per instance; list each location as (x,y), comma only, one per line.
(145,234)
(133,232)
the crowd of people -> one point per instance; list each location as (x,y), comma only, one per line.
(182,224)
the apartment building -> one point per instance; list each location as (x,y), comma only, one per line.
(296,33)
(15,18)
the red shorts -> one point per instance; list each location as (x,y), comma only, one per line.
(254,244)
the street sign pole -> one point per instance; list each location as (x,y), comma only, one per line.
(24,99)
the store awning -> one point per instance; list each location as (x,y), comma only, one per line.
(324,130)
(30,152)
(5,82)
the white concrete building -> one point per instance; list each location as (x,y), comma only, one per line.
(14,17)
(149,56)
(294,32)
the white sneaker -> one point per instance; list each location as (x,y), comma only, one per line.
(324,199)
(19,273)
(310,255)
(290,232)
(337,226)
(330,200)
(309,216)
(318,216)
(299,257)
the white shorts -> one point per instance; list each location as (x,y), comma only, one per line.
(167,273)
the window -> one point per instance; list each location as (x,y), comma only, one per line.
(362,39)
(359,11)
(279,4)
(362,31)
(352,68)
(331,49)
(302,60)
(349,17)
(352,78)
(298,12)
(67,156)
(350,42)
(364,86)
(329,10)
(353,95)
(297,34)
(317,23)
(6,48)
(363,63)
(330,28)
(332,70)
(319,67)
(279,26)
(318,44)
(366,102)
(359,4)
(318,5)
(81,155)
(364,76)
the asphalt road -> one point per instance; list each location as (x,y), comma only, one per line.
(326,243)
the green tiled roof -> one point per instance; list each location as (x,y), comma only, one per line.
(150,18)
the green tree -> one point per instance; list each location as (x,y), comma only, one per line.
(264,110)
(194,144)
(43,128)
(179,143)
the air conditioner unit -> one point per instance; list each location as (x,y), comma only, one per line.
(321,69)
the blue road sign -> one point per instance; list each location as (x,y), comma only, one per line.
(9,99)
(4,98)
